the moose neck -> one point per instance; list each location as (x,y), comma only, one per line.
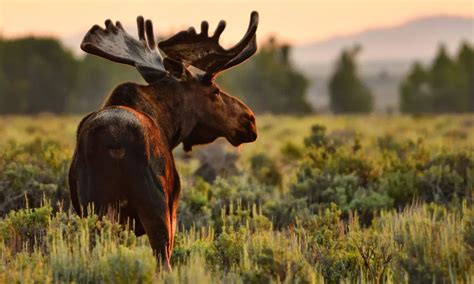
(163,102)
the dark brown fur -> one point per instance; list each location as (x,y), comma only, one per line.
(123,158)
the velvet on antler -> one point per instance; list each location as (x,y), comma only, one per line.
(186,47)
(115,44)
(205,53)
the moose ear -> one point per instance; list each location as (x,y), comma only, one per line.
(175,68)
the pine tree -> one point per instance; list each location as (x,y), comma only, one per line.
(465,60)
(446,84)
(347,92)
(415,91)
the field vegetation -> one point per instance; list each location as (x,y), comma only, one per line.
(379,199)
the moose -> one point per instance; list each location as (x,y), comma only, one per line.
(123,159)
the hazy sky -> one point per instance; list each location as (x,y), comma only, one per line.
(298,21)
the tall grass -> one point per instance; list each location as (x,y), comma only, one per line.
(424,243)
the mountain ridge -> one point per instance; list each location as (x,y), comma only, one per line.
(416,39)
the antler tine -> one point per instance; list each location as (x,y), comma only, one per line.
(141,27)
(250,33)
(119,25)
(149,34)
(220,28)
(110,26)
(204,28)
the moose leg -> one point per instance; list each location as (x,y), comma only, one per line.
(173,209)
(73,186)
(151,204)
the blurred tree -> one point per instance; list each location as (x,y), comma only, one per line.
(3,89)
(415,91)
(446,84)
(38,74)
(347,92)
(269,82)
(465,60)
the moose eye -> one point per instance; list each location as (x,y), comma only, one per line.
(216,94)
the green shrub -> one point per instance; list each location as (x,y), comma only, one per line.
(125,265)
(191,243)
(265,170)
(341,177)
(227,250)
(204,204)
(401,173)
(327,245)
(432,244)
(276,257)
(376,251)
(26,228)
(195,206)
(291,152)
(446,178)
(34,170)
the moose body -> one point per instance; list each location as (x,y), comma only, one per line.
(123,161)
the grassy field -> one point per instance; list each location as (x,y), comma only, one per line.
(315,199)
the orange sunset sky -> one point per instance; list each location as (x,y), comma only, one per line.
(299,21)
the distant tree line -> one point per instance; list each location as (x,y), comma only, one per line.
(447,85)
(35,75)
(40,75)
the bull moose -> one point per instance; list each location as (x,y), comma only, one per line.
(123,158)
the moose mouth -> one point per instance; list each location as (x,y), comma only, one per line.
(241,137)
(234,141)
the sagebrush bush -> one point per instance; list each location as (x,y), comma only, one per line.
(35,170)
(376,251)
(400,174)
(431,244)
(327,245)
(204,203)
(25,229)
(265,170)
(277,256)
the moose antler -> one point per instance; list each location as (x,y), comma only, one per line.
(115,44)
(205,53)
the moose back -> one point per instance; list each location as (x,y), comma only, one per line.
(123,160)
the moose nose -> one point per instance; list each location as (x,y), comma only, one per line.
(247,122)
(253,135)
(252,130)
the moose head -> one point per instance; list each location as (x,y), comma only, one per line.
(210,112)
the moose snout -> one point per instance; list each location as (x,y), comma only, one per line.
(245,132)
(252,133)
(248,121)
